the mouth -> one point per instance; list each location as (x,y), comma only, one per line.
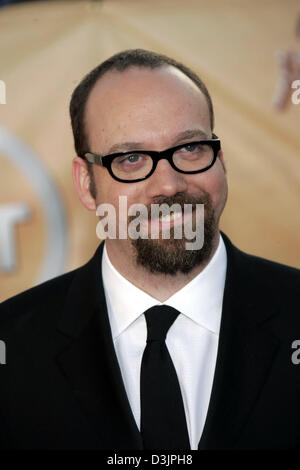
(170,220)
(174,218)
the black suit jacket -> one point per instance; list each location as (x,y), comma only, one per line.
(61,387)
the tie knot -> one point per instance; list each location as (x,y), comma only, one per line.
(159,319)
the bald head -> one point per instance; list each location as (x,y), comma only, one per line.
(121,62)
(150,99)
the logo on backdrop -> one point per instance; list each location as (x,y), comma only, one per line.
(17,212)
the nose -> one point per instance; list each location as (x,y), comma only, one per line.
(165,181)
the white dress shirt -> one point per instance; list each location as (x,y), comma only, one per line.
(192,340)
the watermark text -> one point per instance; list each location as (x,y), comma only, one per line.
(2,352)
(296,354)
(296,93)
(2,92)
(136,222)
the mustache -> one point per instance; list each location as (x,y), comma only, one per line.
(183,198)
(179,199)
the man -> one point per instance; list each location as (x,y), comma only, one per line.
(151,345)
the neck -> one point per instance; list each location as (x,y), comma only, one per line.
(159,286)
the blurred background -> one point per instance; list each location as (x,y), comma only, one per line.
(45,50)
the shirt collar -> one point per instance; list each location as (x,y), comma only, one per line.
(200,300)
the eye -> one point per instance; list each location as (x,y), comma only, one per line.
(190,147)
(133,158)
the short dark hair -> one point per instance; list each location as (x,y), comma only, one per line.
(121,61)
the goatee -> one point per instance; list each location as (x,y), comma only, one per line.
(170,256)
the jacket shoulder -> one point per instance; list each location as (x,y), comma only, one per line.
(271,271)
(48,296)
(248,264)
(276,270)
(263,278)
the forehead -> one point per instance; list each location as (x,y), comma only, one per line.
(144,103)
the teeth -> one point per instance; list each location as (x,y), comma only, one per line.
(171,217)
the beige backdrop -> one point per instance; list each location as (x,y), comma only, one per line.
(46,48)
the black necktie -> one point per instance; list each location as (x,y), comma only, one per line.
(163,424)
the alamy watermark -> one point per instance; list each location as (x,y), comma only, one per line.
(296,354)
(187,223)
(296,93)
(2,92)
(2,352)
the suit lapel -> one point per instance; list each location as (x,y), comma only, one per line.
(89,362)
(246,352)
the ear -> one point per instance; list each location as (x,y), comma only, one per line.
(82,182)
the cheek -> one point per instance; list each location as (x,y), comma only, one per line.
(219,188)
(109,190)
(214,183)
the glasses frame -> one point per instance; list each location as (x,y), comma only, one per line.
(106,160)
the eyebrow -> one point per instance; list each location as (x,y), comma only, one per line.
(188,134)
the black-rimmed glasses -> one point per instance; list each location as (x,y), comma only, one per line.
(137,165)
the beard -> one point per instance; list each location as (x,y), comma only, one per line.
(170,256)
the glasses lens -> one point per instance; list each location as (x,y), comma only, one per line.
(132,166)
(193,157)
